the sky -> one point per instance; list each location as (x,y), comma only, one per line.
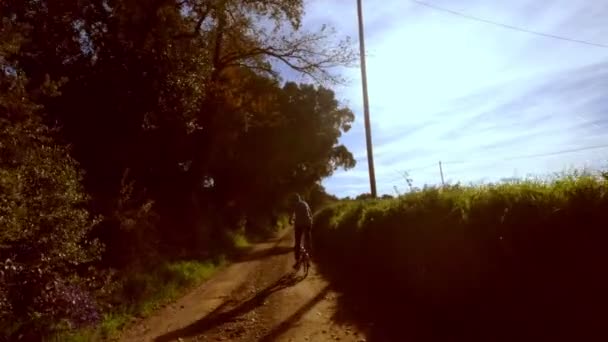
(487,101)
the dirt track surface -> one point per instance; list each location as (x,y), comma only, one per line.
(259,298)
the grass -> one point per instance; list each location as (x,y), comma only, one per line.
(145,291)
(239,240)
(165,284)
(470,260)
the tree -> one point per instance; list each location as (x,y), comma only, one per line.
(241,39)
(174,110)
(291,143)
(318,197)
(150,74)
(364,196)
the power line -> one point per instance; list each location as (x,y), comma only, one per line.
(511,27)
(537,155)
(595,147)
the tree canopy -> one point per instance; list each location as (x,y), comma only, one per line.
(130,129)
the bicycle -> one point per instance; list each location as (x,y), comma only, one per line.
(304,261)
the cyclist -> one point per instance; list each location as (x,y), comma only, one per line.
(302,218)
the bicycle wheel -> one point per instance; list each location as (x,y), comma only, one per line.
(306,263)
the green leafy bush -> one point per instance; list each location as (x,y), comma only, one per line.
(527,255)
(44,224)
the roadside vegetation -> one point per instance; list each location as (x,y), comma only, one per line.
(515,261)
(142,143)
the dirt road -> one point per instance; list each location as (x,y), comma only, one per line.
(259,298)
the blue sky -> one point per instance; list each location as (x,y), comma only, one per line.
(470,94)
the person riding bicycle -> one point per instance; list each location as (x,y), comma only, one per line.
(302,218)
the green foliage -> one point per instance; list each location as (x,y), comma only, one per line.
(318,198)
(179,93)
(475,256)
(41,196)
(277,130)
(144,291)
(45,225)
(182,140)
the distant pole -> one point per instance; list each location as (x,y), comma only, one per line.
(441,173)
(368,130)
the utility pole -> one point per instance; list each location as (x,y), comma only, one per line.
(441,173)
(368,132)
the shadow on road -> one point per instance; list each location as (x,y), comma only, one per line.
(364,306)
(263,254)
(385,313)
(286,324)
(219,316)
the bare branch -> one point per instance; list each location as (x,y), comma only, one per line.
(304,54)
(204,14)
(241,39)
(267,69)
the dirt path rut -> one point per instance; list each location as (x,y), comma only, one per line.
(259,298)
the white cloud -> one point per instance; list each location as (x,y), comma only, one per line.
(446,88)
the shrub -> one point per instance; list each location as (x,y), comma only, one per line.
(526,255)
(45,226)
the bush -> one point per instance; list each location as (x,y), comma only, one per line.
(474,259)
(45,226)
(143,291)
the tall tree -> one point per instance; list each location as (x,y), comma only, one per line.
(176,113)
(149,101)
(291,143)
